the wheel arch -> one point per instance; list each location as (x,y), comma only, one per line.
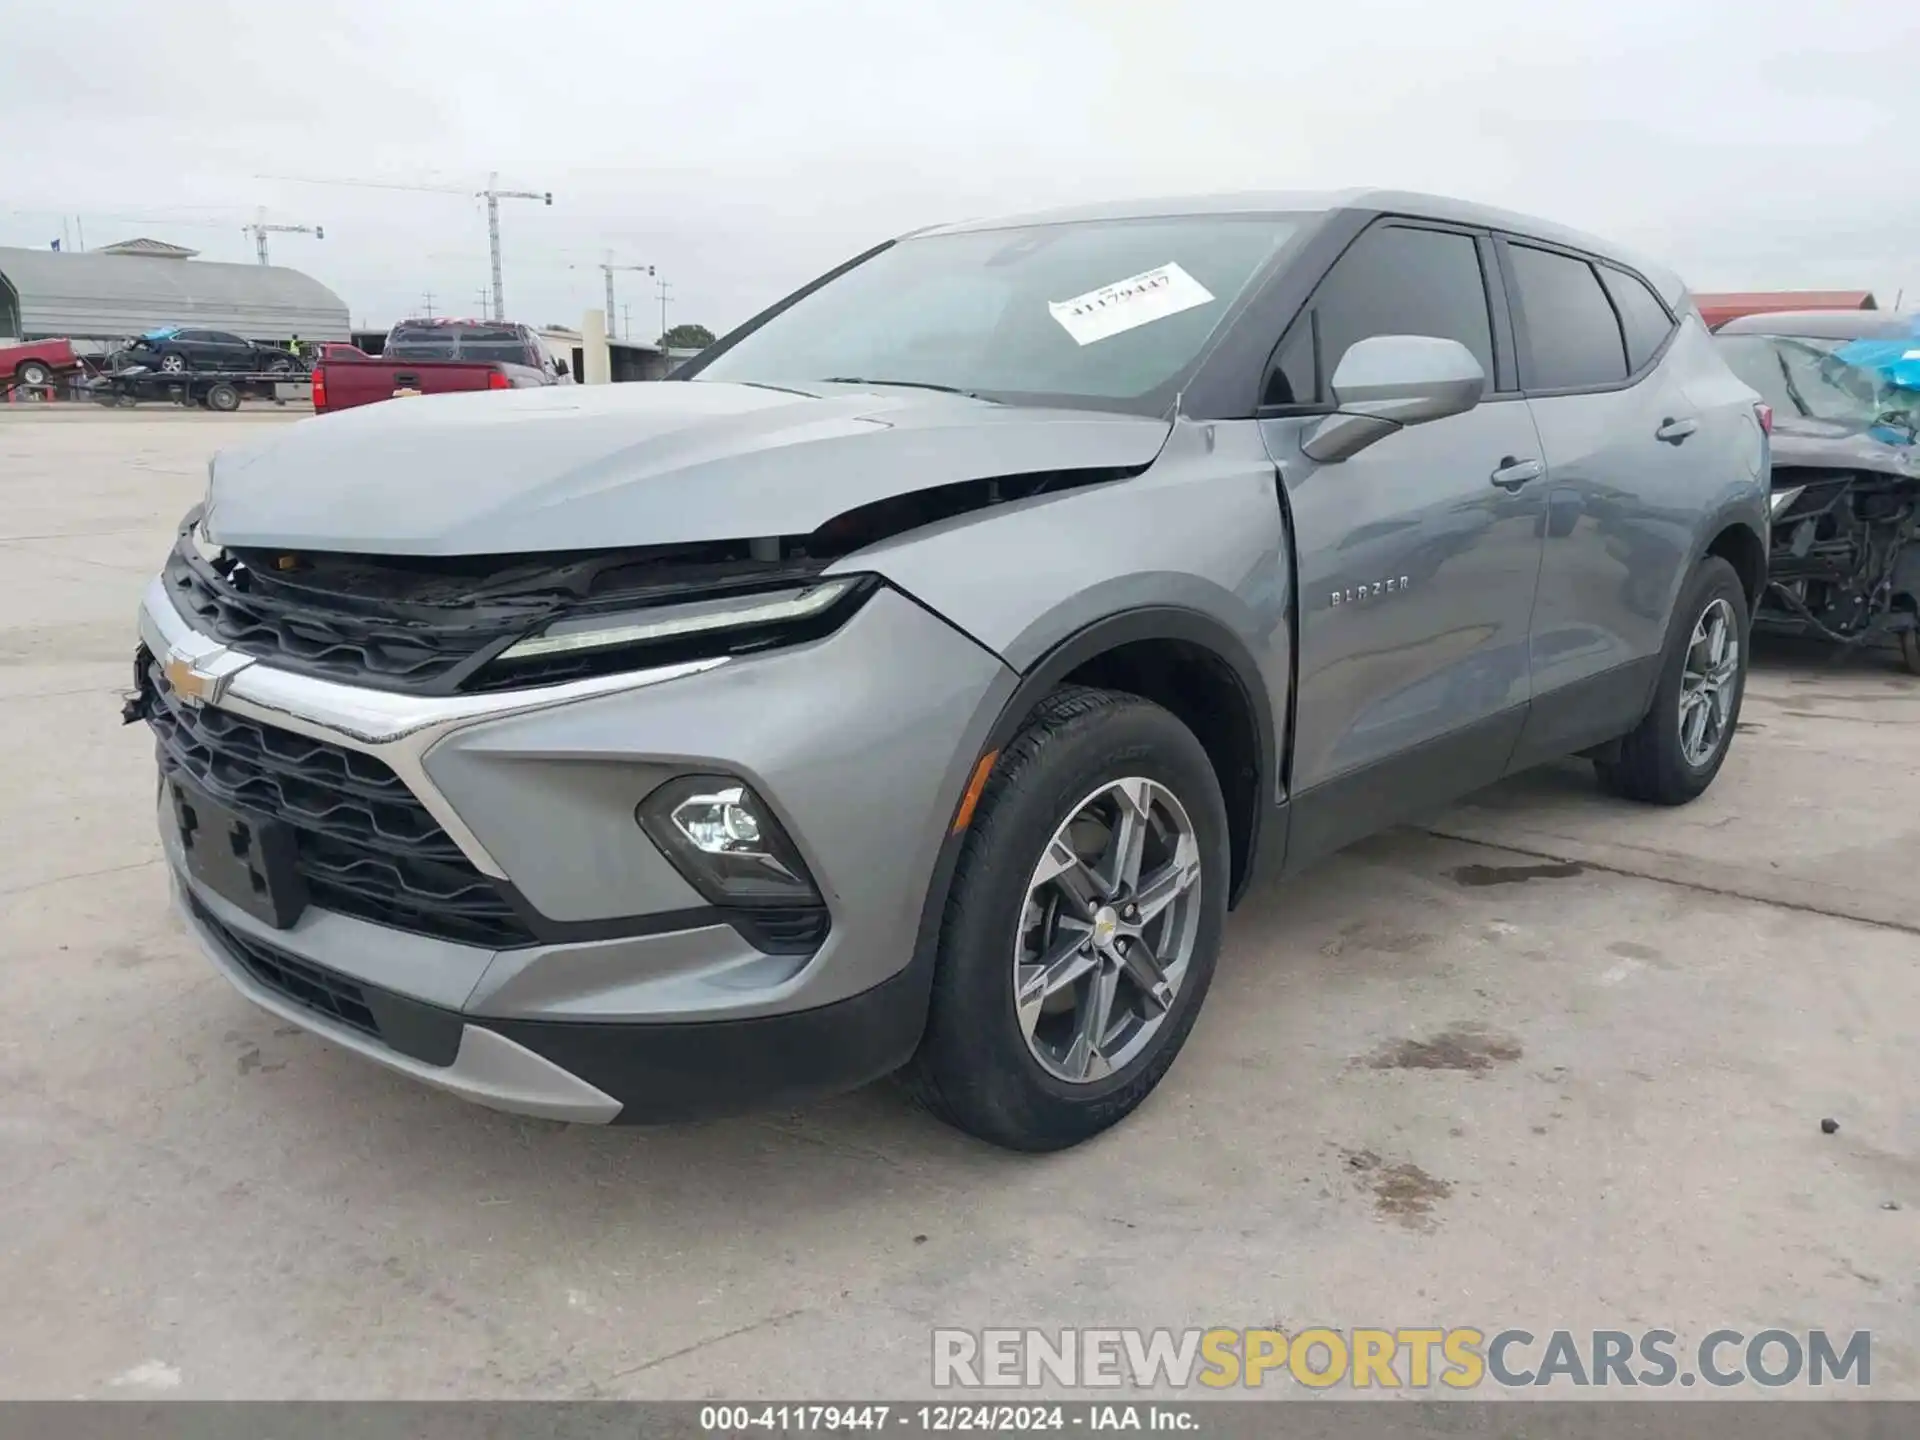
(1741,546)
(1193,666)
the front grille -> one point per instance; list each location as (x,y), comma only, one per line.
(342,632)
(436,624)
(366,845)
(309,986)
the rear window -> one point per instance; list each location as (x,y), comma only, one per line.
(481,344)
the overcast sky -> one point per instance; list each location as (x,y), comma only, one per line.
(743,145)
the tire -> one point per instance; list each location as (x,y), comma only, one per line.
(282,366)
(33,372)
(1910,650)
(222,397)
(978,1067)
(173,363)
(1658,761)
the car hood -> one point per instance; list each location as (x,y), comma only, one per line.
(603,467)
(1836,445)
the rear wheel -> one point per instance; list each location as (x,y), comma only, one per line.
(32,372)
(1082,928)
(222,396)
(1674,753)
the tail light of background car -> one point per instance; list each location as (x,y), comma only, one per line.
(1765,414)
(498,381)
(319,379)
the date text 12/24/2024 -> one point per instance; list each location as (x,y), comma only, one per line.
(944,1419)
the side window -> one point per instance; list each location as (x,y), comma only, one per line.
(192,337)
(1572,335)
(1397,280)
(1642,315)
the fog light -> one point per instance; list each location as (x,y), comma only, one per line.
(726,842)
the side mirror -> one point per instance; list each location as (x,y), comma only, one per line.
(560,368)
(1388,381)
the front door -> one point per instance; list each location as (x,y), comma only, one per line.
(1418,557)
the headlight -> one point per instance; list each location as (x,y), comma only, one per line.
(724,623)
(725,840)
(669,622)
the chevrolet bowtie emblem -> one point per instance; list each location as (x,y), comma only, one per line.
(203,679)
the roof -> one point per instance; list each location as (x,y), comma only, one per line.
(107,297)
(1284,202)
(1827,324)
(1717,309)
(143,246)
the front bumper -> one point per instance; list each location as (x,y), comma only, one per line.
(636,1002)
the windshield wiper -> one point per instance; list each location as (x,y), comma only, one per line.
(909,384)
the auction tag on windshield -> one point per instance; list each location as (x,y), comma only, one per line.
(1127,304)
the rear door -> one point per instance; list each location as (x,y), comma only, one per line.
(231,352)
(1417,557)
(1623,499)
(197,347)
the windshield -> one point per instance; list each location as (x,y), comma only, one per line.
(1095,311)
(1806,377)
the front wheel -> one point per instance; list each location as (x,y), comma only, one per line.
(33,373)
(173,364)
(1082,928)
(223,397)
(1674,753)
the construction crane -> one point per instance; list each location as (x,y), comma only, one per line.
(493,195)
(606,267)
(260,229)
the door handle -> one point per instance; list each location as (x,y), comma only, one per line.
(1513,473)
(1676,431)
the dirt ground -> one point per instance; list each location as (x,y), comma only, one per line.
(1551,1061)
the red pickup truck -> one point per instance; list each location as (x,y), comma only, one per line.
(433,357)
(35,362)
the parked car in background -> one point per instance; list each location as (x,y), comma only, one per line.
(919,679)
(1845,551)
(436,357)
(35,363)
(177,349)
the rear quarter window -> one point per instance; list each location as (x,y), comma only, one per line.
(1643,318)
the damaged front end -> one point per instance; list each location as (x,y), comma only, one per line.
(466,624)
(1844,563)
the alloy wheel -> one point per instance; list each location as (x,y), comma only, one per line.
(1708,684)
(172,364)
(1107,930)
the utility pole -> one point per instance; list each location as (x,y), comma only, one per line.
(80,233)
(493,195)
(664,288)
(481,296)
(427,304)
(260,229)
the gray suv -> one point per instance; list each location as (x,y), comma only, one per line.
(915,683)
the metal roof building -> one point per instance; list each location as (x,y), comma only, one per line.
(97,296)
(1716,310)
